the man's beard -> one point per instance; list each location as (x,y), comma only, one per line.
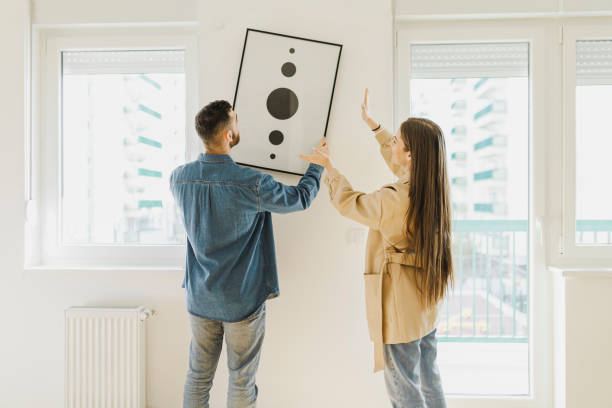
(235,140)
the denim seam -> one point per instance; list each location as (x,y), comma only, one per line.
(223,183)
(257,191)
(216,161)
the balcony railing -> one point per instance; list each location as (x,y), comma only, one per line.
(594,232)
(490,298)
(489,301)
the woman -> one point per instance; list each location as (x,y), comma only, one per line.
(408,254)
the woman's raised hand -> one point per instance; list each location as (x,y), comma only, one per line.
(365,114)
(322,156)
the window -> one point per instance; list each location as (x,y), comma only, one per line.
(115,121)
(593,142)
(123,131)
(479,94)
(485,83)
(587,217)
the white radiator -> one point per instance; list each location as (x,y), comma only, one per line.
(105,357)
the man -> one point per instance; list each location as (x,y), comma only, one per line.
(231,261)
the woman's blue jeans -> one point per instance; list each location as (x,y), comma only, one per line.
(411,374)
(243,340)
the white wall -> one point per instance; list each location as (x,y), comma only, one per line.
(449,7)
(317,351)
(112,11)
(588,340)
(473,6)
(13,290)
(584,329)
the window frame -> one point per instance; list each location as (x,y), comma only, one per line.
(44,247)
(538,34)
(570,252)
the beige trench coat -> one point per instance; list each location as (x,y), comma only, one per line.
(394,312)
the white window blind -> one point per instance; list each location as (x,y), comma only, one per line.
(123,62)
(594,62)
(494,60)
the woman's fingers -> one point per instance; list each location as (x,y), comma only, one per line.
(364,105)
(323,152)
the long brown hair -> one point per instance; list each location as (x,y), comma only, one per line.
(428,218)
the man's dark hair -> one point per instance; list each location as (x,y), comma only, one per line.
(211,119)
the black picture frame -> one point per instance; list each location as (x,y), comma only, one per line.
(246,37)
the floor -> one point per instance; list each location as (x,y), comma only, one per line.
(484,368)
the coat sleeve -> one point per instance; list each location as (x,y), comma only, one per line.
(364,208)
(384,138)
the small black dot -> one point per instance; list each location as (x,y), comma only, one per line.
(273,156)
(288,69)
(276,137)
(292,50)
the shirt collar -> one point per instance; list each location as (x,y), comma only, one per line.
(215,158)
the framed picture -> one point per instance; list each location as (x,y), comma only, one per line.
(283,99)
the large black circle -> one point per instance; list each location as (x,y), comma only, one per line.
(282,103)
(276,137)
(288,69)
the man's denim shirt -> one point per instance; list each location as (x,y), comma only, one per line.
(231,261)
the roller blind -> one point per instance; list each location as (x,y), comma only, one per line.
(123,62)
(493,60)
(594,62)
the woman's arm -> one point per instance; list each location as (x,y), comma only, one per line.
(364,208)
(383,136)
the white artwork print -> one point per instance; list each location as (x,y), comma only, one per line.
(283,99)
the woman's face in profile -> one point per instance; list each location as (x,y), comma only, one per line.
(399,155)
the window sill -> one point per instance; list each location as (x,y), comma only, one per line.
(575,272)
(113,268)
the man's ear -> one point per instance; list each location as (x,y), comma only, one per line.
(229,135)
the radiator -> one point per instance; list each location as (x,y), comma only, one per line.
(105,357)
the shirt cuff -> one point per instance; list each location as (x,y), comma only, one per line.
(315,168)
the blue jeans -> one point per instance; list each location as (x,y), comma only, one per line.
(411,374)
(243,340)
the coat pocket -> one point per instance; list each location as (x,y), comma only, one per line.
(373,305)
(410,318)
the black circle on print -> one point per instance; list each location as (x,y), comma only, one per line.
(282,103)
(291,50)
(288,69)
(276,137)
(273,156)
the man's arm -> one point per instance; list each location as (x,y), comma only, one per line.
(280,198)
